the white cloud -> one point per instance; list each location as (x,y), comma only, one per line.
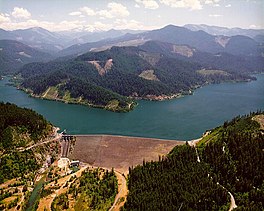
(77,13)
(228,5)
(118,10)
(216,5)
(88,11)
(215,15)
(253,26)
(189,4)
(105,14)
(63,25)
(4,18)
(211,1)
(128,24)
(149,4)
(21,13)
(113,10)
(68,25)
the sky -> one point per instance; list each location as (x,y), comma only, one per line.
(102,15)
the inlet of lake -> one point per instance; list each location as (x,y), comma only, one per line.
(180,119)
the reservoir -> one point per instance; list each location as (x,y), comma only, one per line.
(180,119)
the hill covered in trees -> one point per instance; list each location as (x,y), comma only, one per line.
(230,160)
(110,79)
(19,129)
(14,54)
(94,190)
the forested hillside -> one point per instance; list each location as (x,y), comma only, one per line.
(19,128)
(110,78)
(94,190)
(13,55)
(229,159)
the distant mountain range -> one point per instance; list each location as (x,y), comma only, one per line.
(237,45)
(37,37)
(88,37)
(53,42)
(217,30)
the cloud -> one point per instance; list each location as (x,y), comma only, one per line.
(118,10)
(228,5)
(88,11)
(216,5)
(77,13)
(21,13)
(253,26)
(113,10)
(4,18)
(211,1)
(215,15)
(149,4)
(105,14)
(189,4)
(61,26)
(127,24)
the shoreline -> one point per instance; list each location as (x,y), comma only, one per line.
(190,141)
(127,136)
(133,105)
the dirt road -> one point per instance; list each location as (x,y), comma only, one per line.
(120,198)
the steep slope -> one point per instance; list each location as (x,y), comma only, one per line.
(242,45)
(182,36)
(225,171)
(223,61)
(6,35)
(71,82)
(14,55)
(41,39)
(19,129)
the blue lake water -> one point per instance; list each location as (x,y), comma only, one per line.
(183,119)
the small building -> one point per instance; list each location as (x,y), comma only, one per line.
(75,163)
(63,163)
